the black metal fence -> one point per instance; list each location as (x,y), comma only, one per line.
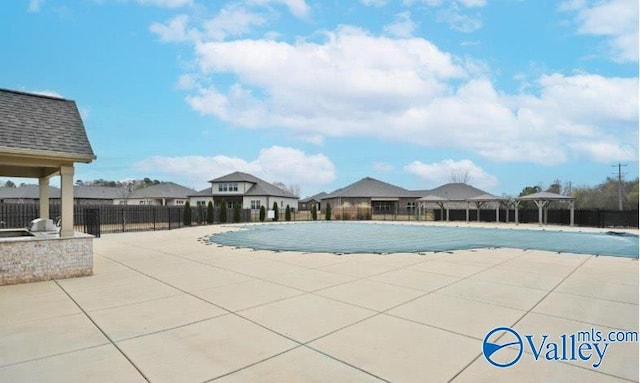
(582,217)
(98,219)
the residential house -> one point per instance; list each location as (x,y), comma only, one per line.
(247,190)
(309,202)
(82,194)
(163,194)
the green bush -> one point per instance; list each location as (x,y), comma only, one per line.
(186,215)
(200,214)
(223,211)
(263,213)
(210,213)
(287,214)
(328,212)
(236,212)
(276,213)
(314,212)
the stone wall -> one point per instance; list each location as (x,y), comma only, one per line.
(39,259)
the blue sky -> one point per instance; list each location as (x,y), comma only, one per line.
(508,93)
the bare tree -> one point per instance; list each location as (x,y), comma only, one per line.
(459,175)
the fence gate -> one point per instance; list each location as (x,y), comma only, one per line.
(92,222)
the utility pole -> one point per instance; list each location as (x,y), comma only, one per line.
(620,175)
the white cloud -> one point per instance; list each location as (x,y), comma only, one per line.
(616,20)
(374,3)
(356,84)
(165,3)
(35,5)
(446,171)
(298,8)
(402,26)
(47,92)
(459,21)
(288,165)
(175,30)
(232,20)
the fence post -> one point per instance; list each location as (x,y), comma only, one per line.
(123,218)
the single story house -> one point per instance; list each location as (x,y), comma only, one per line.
(309,202)
(163,194)
(245,189)
(82,194)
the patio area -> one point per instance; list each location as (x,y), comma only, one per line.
(167,306)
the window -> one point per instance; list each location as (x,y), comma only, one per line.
(255,204)
(141,202)
(123,202)
(222,187)
(233,187)
(411,206)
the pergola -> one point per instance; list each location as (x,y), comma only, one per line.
(478,201)
(482,199)
(42,137)
(542,200)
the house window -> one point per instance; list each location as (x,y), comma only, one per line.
(411,206)
(222,187)
(233,187)
(141,202)
(255,204)
(123,202)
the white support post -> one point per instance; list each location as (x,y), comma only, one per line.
(516,204)
(66,199)
(571,211)
(497,211)
(467,211)
(44,196)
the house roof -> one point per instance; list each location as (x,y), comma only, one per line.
(163,190)
(370,188)
(315,197)
(27,192)
(99,192)
(202,193)
(457,192)
(48,125)
(260,187)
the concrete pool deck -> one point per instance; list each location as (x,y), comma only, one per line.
(165,307)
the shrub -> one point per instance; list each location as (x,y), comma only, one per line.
(236,212)
(210,213)
(263,213)
(223,211)
(287,214)
(328,212)
(314,212)
(200,214)
(276,213)
(186,215)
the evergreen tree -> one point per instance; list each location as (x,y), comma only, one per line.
(263,213)
(276,213)
(223,211)
(210,213)
(236,212)
(186,216)
(287,213)
(328,212)
(314,212)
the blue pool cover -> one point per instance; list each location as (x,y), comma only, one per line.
(346,237)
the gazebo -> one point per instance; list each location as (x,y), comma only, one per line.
(542,200)
(482,199)
(460,195)
(422,203)
(42,137)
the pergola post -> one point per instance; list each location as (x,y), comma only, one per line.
(66,199)
(497,212)
(571,211)
(541,204)
(467,211)
(43,182)
(516,203)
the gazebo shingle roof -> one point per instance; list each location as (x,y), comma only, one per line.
(43,123)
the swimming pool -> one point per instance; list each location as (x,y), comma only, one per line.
(349,237)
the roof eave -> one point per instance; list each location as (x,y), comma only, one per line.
(47,155)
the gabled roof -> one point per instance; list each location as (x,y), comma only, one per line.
(315,197)
(237,177)
(260,187)
(369,187)
(432,198)
(27,192)
(457,192)
(543,195)
(202,193)
(99,192)
(163,190)
(48,125)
